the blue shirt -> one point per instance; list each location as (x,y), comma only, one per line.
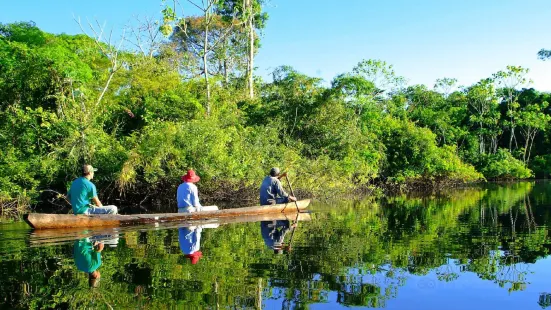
(86,258)
(187,195)
(271,189)
(190,240)
(273,232)
(80,194)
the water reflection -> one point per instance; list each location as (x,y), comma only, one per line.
(189,239)
(88,259)
(190,242)
(273,233)
(472,248)
(87,256)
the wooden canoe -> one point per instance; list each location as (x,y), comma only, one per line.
(56,221)
(42,237)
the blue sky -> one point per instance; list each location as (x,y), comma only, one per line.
(423,39)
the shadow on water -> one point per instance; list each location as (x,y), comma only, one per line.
(396,252)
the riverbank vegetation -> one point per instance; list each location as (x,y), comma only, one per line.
(184,95)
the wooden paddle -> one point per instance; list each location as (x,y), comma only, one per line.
(298,213)
(293,232)
(292,193)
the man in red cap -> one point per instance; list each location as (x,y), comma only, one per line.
(187,195)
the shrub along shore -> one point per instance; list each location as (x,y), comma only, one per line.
(145,118)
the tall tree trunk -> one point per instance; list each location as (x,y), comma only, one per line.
(226,76)
(251,49)
(481,145)
(526,144)
(205,65)
(531,145)
(512,136)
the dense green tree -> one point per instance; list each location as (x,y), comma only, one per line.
(141,116)
(509,81)
(252,20)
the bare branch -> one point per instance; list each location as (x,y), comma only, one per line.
(197,6)
(109,51)
(223,36)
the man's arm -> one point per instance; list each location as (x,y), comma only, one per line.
(281,192)
(95,197)
(195,197)
(97,202)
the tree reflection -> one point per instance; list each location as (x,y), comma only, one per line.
(353,253)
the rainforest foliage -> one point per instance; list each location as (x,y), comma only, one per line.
(145,110)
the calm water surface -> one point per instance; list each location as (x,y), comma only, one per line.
(475,248)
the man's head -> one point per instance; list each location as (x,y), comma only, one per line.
(98,246)
(274,172)
(194,257)
(88,171)
(93,279)
(191,177)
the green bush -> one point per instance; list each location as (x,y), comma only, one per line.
(412,154)
(502,165)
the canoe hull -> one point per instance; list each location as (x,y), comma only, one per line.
(57,221)
(41,237)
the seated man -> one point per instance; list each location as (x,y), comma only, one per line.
(271,191)
(83,192)
(187,195)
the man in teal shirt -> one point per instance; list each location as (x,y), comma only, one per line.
(88,259)
(83,192)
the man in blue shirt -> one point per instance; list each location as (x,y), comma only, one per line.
(83,192)
(271,190)
(187,195)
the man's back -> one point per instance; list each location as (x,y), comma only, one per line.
(80,194)
(270,190)
(187,195)
(86,259)
(190,240)
(273,232)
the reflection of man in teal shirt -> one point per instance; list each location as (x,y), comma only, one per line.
(88,259)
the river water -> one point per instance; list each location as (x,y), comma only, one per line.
(473,248)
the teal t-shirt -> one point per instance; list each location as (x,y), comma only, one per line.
(86,258)
(80,194)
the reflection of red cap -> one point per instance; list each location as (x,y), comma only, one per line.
(194,257)
(191,177)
